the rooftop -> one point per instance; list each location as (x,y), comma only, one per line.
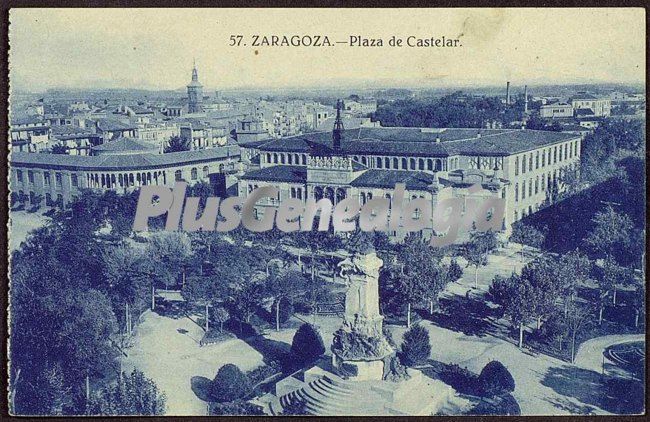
(124,144)
(281,173)
(119,162)
(418,141)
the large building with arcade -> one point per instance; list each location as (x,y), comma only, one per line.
(523,167)
(121,165)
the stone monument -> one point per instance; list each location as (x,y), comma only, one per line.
(359,346)
(363,377)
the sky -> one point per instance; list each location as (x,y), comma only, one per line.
(155,48)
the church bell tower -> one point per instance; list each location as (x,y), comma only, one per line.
(195,93)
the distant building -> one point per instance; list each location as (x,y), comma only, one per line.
(556,110)
(361,107)
(600,106)
(195,93)
(29,134)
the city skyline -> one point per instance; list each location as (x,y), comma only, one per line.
(133,58)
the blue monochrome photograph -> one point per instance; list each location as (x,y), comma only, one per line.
(326,212)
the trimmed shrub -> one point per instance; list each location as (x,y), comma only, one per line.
(230,384)
(415,346)
(295,408)
(455,270)
(495,380)
(236,408)
(307,344)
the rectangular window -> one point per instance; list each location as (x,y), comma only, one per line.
(523,164)
(530,187)
(537,160)
(59,179)
(46,178)
(543,158)
(74,180)
(30,176)
(516,166)
(19,176)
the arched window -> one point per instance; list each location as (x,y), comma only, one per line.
(364,161)
(387,162)
(430,164)
(379,163)
(206,172)
(523,190)
(412,163)
(282,159)
(304,160)
(194,173)
(395,163)
(438,165)
(275,158)
(421,164)
(290,159)
(178,176)
(362,197)
(268,157)
(404,164)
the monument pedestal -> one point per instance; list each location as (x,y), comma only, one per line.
(359,370)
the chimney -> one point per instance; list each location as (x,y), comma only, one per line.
(508,93)
(437,139)
(478,135)
(525,98)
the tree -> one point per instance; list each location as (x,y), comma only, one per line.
(416,346)
(455,270)
(307,344)
(246,297)
(169,253)
(178,144)
(127,278)
(573,269)
(284,286)
(131,395)
(526,235)
(541,275)
(610,234)
(576,320)
(221,315)
(418,274)
(477,249)
(230,384)
(495,379)
(515,294)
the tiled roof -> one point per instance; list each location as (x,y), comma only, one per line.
(419,142)
(125,144)
(584,112)
(119,162)
(113,125)
(281,173)
(414,180)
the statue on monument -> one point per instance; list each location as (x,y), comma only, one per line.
(361,336)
